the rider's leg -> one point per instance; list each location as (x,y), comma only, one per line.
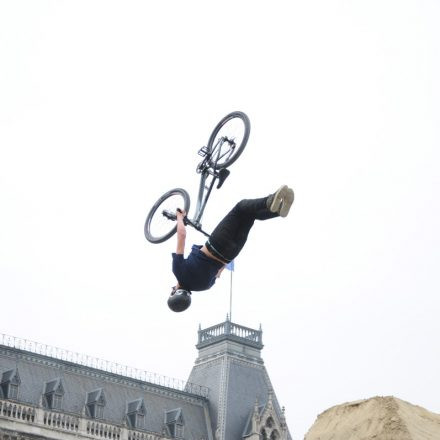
(230,235)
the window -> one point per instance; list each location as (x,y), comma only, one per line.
(95,403)
(9,383)
(179,431)
(53,394)
(96,411)
(13,391)
(140,421)
(56,401)
(136,414)
(99,411)
(175,423)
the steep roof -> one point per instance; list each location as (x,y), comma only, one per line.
(83,385)
(230,365)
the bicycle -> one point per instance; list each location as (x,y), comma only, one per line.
(222,150)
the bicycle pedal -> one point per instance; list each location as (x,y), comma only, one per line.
(169,215)
(203,151)
(222,175)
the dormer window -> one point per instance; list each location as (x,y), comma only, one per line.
(53,394)
(10,381)
(95,404)
(175,423)
(136,414)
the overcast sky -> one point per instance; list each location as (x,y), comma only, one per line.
(103,106)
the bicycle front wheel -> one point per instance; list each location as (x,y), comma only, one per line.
(158,225)
(228,140)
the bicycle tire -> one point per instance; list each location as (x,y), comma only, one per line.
(155,213)
(247,128)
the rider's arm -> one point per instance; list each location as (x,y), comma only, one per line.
(181,233)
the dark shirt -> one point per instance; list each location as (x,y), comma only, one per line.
(197,272)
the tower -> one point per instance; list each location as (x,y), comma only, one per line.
(242,401)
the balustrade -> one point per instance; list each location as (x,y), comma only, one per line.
(230,329)
(102,430)
(61,421)
(71,423)
(17,411)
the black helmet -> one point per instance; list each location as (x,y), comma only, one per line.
(179,300)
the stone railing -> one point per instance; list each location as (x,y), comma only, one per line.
(103,365)
(61,421)
(137,435)
(14,410)
(229,330)
(34,417)
(102,430)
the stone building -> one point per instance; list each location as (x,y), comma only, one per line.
(56,394)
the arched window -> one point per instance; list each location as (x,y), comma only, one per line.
(263,434)
(269,422)
(274,435)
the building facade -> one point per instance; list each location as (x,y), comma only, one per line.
(49,393)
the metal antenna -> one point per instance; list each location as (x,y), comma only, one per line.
(230,297)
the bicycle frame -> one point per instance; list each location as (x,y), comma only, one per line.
(206,171)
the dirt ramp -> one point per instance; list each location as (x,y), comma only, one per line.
(378,418)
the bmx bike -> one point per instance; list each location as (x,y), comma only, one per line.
(225,145)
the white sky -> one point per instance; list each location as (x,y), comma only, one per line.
(103,105)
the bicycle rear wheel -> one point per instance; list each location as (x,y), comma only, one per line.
(158,227)
(228,139)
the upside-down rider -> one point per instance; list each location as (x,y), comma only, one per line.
(205,263)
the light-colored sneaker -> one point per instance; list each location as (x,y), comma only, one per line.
(275,200)
(287,201)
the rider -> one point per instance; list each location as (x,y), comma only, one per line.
(205,263)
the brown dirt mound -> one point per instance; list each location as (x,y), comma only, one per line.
(378,418)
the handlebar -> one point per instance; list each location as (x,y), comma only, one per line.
(186,221)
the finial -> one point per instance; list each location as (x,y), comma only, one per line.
(200,327)
(227,316)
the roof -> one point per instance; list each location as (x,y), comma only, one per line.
(84,385)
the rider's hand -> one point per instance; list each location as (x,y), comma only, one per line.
(181,214)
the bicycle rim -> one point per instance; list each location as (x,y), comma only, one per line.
(157,227)
(234,127)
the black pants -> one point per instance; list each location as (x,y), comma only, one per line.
(230,235)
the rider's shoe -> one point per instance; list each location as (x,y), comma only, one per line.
(288,197)
(274,200)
